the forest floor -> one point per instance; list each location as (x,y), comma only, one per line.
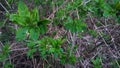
(100,49)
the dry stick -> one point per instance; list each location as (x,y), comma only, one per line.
(17,55)
(73,38)
(1,45)
(103,40)
(20,49)
(4,8)
(8,4)
(34,63)
(96,54)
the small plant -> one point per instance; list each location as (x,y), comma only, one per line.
(97,62)
(30,27)
(8,65)
(4,52)
(50,47)
(28,21)
(75,25)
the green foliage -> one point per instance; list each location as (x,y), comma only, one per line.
(29,19)
(34,35)
(31,52)
(115,63)
(48,46)
(21,34)
(97,62)
(52,47)
(8,65)
(75,25)
(4,53)
(1,23)
(93,33)
(68,58)
(31,44)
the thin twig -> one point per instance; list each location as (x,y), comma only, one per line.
(20,49)
(4,8)
(8,4)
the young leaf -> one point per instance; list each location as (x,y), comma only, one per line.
(34,16)
(21,34)
(43,22)
(23,9)
(5,52)
(42,25)
(31,52)
(34,35)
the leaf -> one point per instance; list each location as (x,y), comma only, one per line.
(31,44)
(34,35)
(72,59)
(42,25)
(106,14)
(51,50)
(117,5)
(8,65)
(21,34)
(23,10)
(97,62)
(31,52)
(34,16)
(75,25)
(18,19)
(1,24)
(43,22)
(5,52)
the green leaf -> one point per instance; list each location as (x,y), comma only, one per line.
(42,25)
(34,16)
(43,22)
(31,52)
(34,35)
(72,59)
(21,34)
(97,62)
(51,50)
(75,25)
(19,20)
(8,65)
(31,44)
(1,24)
(23,10)
(117,5)
(93,33)
(5,52)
